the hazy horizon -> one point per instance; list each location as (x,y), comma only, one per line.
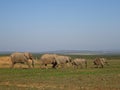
(50,25)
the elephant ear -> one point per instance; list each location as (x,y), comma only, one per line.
(28,55)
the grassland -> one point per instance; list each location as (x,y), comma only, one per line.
(107,78)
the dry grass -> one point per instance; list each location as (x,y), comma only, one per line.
(5,62)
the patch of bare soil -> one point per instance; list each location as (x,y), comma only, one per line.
(29,85)
(48,86)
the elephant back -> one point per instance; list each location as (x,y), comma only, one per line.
(17,57)
(28,55)
(48,58)
(98,61)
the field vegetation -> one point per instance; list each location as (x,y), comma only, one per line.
(68,78)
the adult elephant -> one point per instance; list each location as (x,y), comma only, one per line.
(62,60)
(100,62)
(48,59)
(79,62)
(22,58)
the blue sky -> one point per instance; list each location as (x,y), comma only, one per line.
(48,25)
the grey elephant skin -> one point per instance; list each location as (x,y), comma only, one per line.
(62,60)
(79,62)
(48,59)
(55,60)
(22,58)
(100,62)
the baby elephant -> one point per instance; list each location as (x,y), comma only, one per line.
(21,58)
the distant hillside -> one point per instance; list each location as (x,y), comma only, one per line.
(84,52)
(4,53)
(72,52)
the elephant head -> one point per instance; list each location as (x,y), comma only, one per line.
(29,56)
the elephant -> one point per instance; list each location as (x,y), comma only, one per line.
(22,58)
(100,62)
(48,59)
(62,60)
(79,62)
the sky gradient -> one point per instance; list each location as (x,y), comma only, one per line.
(48,25)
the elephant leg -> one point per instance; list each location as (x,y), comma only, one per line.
(101,65)
(46,66)
(28,64)
(54,65)
(13,63)
(75,66)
